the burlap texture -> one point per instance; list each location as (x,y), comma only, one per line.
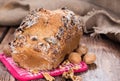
(94,21)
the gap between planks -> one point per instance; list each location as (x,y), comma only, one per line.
(7,38)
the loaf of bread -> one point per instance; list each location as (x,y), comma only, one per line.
(44,38)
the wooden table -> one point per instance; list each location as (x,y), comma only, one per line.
(106,67)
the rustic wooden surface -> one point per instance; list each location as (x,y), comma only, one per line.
(106,67)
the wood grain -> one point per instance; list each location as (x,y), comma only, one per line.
(106,67)
(1,33)
(7,38)
(4,74)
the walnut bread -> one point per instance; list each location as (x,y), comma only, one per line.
(44,38)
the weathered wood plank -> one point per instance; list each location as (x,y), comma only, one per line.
(4,74)
(3,33)
(1,30)
(7,38)
(107,65)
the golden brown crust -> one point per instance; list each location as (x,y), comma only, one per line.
(44,38)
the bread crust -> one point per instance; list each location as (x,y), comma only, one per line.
(44,38)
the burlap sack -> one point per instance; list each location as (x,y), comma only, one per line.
(94,22)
